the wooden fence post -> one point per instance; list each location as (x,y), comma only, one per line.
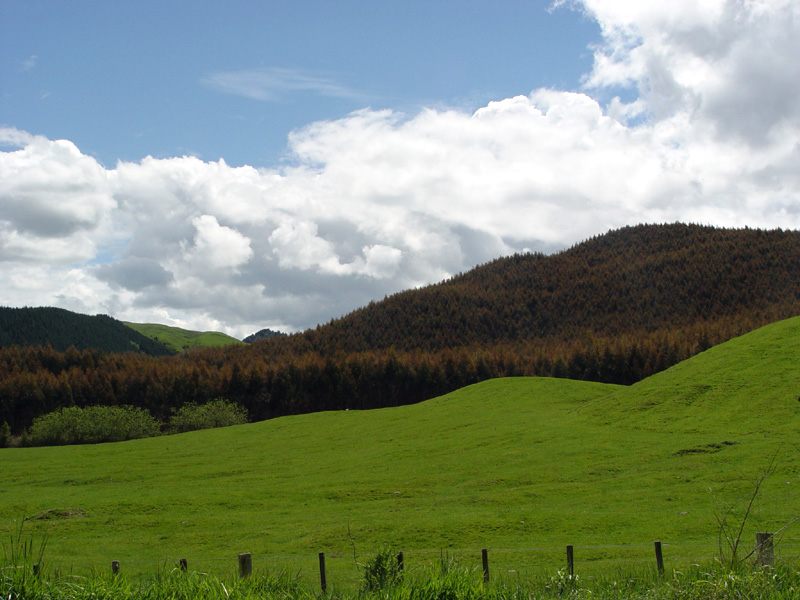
(570,560)
(400,565)
(183,564)
(245,564)
(659,557)
(115,567)
(323,582)
(765,549)
(485,561)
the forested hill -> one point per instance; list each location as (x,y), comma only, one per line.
(262,334)
(629,281)
(59,328)
(616,308)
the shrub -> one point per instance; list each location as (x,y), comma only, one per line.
(5,434)
(91,425)
(216,413)
(382,572)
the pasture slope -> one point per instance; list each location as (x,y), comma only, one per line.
(521,466)
(178,339)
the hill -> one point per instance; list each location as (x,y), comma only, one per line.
(521,466)
(61,329)
(177,339)
(632,281)
(616,308)
(262,334)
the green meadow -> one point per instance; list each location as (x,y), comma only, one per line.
(521,466)
(178,339)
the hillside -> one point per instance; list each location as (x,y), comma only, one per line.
(521,466)
(629,281)
(262,334)
(177,339)
(59,328)
(615,309)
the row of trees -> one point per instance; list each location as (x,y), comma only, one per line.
(34,381)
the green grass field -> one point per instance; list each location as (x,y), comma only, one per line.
(178,339)
(520,466)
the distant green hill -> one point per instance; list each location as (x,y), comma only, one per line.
(178,339)
(61,329)
(521,466)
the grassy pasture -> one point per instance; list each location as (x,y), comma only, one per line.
(178,339)
(522,466)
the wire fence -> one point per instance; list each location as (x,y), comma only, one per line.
(498,562)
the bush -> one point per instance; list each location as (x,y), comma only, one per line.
(382,572)
(91,425)
(216,413)
(5,434)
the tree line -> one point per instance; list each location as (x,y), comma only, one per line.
(38,380)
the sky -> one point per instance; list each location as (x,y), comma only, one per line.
(239,165)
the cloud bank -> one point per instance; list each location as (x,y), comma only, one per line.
(703,125)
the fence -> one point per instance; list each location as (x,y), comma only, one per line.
(763,551)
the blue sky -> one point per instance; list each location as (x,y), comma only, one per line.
(237,165)
(128,79)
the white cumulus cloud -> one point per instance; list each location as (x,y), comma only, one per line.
(217,246)
(731,64)
(689,113)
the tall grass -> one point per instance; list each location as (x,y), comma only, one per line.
(23,563)
(20,579)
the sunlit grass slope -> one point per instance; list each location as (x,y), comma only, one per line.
(521,466)
(178,339)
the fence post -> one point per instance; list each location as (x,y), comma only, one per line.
(765,548)
(184,564)
(115,567)
(400,565)
(485,561)
(570,560)
(323,582)
(245,564)
(659,557)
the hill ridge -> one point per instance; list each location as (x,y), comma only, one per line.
(179,339)
(62,329)
(760,269)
